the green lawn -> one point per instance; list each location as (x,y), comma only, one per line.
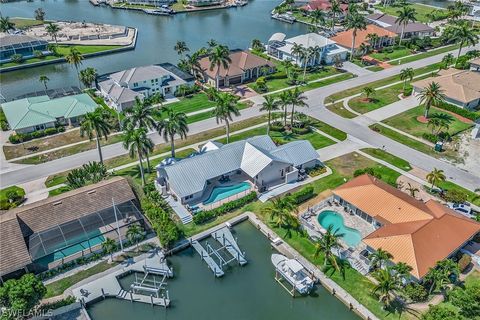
(407,122)
(338,108)
(471,196)
(23,23)
(192,103)
(395,54)
(421,11)
(4,204)
(381,98)
(427,54)
(328,129)
(375,68)
(317,140)
(388,157)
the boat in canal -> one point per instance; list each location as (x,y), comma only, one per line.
(284,17)
(293,272)
(161,11)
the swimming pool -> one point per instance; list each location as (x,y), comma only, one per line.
(352,237)
(220,193)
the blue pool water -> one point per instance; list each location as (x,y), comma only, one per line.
(220,193)
(352,237)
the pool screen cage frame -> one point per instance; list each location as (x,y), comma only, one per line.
(83,229)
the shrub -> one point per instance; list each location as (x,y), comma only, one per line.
(17,58)
(38,54)
(464,262)
(318,170)
(433,138)
(24,137)
(370,171)
(303,195)
(278,127)
(455,196)
(304,130)
(58,304)
(416,292)
(50,131)
(408,91)
(462,63)
(205,216)
(261,84)
(462,112)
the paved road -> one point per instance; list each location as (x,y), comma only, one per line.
(316,98)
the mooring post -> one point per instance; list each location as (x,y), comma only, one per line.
(131,296)
(151,299)
(103,294)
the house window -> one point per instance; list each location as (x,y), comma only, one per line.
(135,85)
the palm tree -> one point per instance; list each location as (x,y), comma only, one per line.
(270,104)
(465,35)
(372,39)
(219,57)
(225,108)
(436,176)
(287,65)
(297,51)
(6,24)
(447,60)
(257,45)
(334,9)
(74,58)
(52,30)
(181,47)
(307,55)
(212,43)
(386,285)
(368,92)
(432,95)
(297,98)
(134,233)
(355,22)
(88,76)
(327,243)
(39,14)
(96,125)
(175,123)
(280,213)
(439,276)
(402,271)
(379,257)
(136,141)
(336,264)
(406,74)
(317,17)
(284,99)
(109,246)
(193,64)
(140,115)
(412,190)
(405,16)
(44,79)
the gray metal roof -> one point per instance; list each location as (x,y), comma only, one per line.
(252,155)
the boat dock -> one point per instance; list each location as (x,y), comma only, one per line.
(225,238)
(212,265)
(109,286)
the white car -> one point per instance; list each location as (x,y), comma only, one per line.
(461,208)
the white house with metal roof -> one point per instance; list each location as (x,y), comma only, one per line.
(281,48)
(38,113)
(256,161)
(121,88)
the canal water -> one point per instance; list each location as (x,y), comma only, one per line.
(157,36)
(248,292)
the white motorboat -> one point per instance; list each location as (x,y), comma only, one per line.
(293,272)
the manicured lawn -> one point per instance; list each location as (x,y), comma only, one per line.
(375,68)
(407,122)
(4,198)
(192,103)
(317,140)
(395,54)
(388,157)
(328,129)
(338,108)
(381,98)
(471,196)
(421,11)
(427,54)
(21,23)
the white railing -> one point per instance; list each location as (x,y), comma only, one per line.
(233,197)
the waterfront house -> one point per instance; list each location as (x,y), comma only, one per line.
(460,87)
(205,3)
(244,67)
(50,232)
(19,44)
(252,164)
(38,113)
(385,38)
(322,5)
(412,29)
(416,233)
(281,48)
(120,89)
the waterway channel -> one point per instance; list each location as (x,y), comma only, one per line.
(248,292)
(235,27)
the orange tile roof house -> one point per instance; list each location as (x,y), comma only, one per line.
(461,87)
(244,66)
(417,233)
(385,37)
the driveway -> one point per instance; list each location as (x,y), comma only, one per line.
(353,68)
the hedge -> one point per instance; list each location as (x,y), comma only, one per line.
(303,195)
(23,137)
(462,112)
(205,216)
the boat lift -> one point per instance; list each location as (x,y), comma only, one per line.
(155,286)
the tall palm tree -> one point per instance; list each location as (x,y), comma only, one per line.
(336,264)
(96,125)
(317,17)
(373,39)
(88,76)
(406,74)
(140,115)
(432,95)
(6,24)
(53,30)
(436,176)
(297,98)
(297,51)
(44,79)
(175,123)
(109,246)
(355,22)
(465,35)
(135,233)
(334,9)
(404,17)
(181,47)
(225,108)
(309,53)
(284,99)
(447,60)
(402,271)
(287,65)
(281,213)
(270,104)
(327,243)
(386,285)
(219,57)
(136,141)
(75,59)
(379,257)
